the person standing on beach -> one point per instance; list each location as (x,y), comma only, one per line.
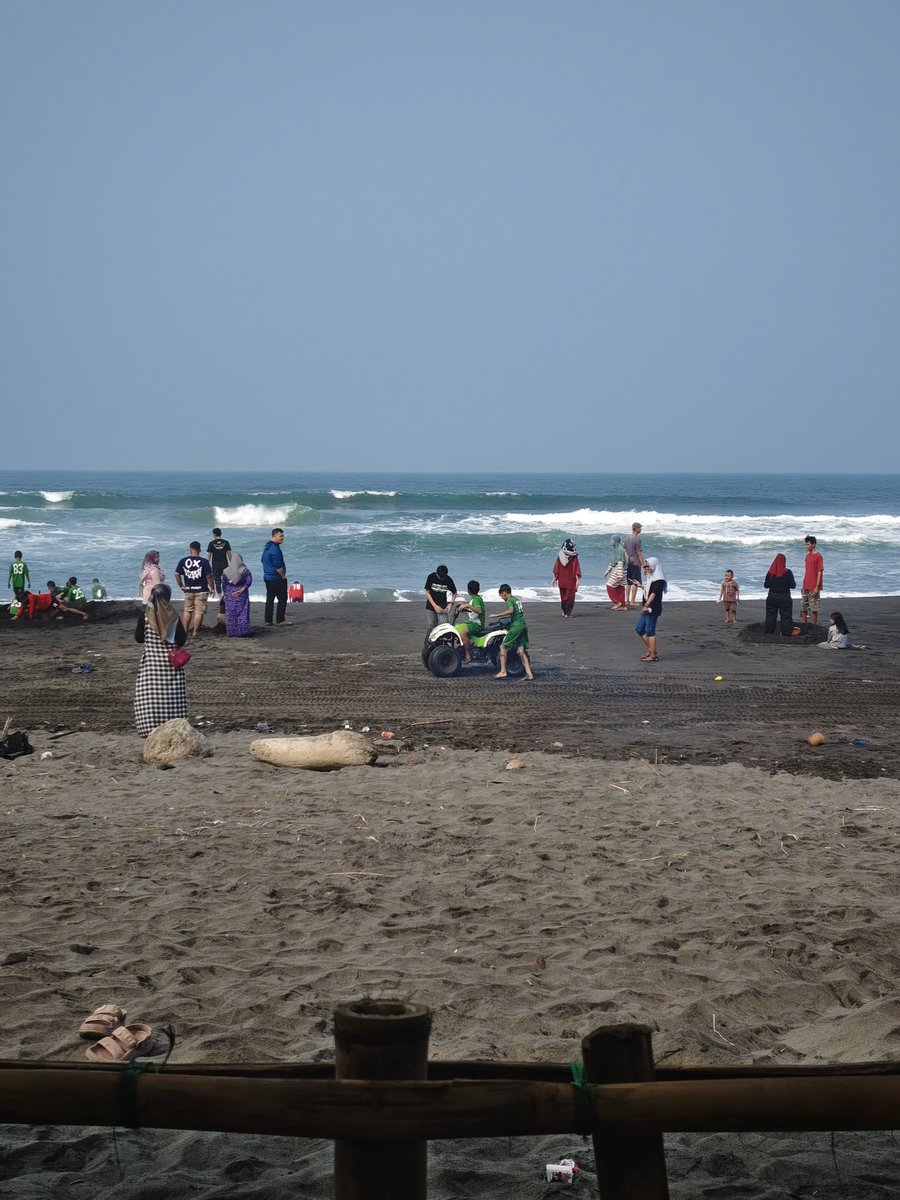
(651,610)
(566,574)
(219,554)
(275,577)
(160,693)
(19,578)
(440,592)
(236,581)
(729,595)
(634,556)
(151,574)
(615,576)
(192,575)
(517,634)
(813,572)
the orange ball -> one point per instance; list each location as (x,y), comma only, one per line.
(816,739)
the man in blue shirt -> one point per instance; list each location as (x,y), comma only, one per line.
(275,575)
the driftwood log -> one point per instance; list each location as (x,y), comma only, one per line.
(320,752)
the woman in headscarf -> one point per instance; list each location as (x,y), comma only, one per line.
(160,694)
(779,605)
(615,576)
(566,573)
(151,574)
(236,580)
(654,586)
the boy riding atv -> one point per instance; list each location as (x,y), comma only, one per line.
(473,604)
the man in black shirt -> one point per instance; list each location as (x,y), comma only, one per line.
(440,592)
(219,554)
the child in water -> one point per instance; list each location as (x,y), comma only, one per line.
(729,594)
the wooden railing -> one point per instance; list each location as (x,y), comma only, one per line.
(383,1100)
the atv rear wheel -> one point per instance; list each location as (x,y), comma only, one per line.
(515,668)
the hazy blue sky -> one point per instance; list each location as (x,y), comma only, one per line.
(451,235)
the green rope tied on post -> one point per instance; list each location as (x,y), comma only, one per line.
(128,1082)
(584,1099)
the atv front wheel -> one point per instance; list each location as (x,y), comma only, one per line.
(445,660)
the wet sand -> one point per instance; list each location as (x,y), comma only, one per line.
(671,852)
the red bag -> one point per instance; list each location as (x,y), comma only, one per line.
(179,657)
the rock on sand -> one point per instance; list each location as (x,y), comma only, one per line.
(174,741)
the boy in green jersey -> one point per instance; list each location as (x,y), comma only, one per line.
(516,635)
(98,591)
(73,594)
(473,604)
(61,604)
(19,579)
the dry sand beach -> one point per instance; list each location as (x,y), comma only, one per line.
(671,852)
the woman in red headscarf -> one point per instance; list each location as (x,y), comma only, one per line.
(779,605)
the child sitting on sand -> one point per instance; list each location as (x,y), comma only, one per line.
(838,634)
(729,594)
(73,593)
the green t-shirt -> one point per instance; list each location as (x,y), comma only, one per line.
(517,613)
(98,591)
(477,617)
(18,573)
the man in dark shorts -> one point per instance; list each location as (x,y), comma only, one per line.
(635,561)
(219,554)
(440,592)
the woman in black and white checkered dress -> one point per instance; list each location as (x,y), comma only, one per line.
(160,693)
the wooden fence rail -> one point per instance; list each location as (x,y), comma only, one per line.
(381,1109)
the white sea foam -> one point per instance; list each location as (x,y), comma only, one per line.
(338,495)
(256,515)
(15,523)
(709,529)
(57,497)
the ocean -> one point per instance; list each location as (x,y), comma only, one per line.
(372,537)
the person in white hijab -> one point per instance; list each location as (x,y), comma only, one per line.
(654,586)
(566,574)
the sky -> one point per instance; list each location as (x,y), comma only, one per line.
(457,236)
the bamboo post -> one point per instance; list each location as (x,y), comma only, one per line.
(630,1165)
(381,1039)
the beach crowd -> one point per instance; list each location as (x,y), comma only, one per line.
(634,581)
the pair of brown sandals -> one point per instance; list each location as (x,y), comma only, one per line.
(115,1042)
